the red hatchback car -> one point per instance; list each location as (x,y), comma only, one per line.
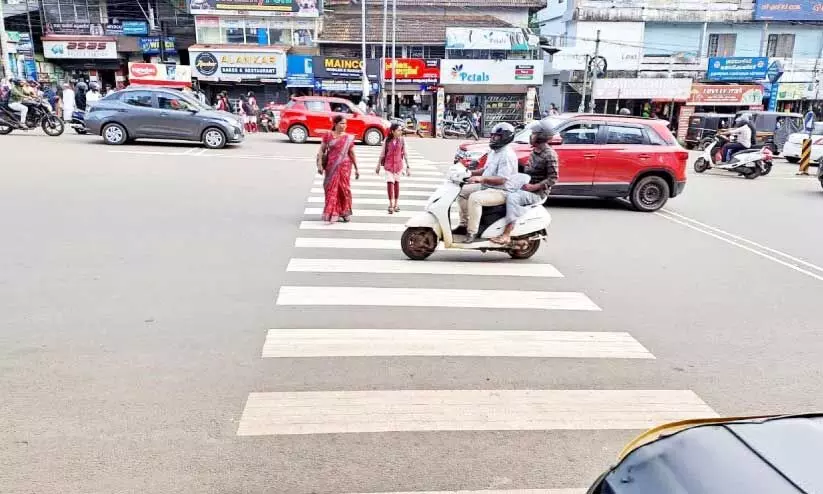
(311,116)
(606,156)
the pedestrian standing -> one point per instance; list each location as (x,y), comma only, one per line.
(335,160)
(254,111)
(80,90)
(67,101)
(392,159)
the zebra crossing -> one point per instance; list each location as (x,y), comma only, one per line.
(366,255)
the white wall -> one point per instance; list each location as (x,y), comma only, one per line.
(620,43)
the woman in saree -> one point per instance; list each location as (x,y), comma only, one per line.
(335,160)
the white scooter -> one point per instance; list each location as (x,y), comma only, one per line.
(427,229)
(750,163)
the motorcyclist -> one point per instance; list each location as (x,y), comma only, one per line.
(743,131)
(542,170)
(17,97)
(93,95)
(624,111)
(487,187)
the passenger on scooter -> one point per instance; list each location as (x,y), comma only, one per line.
(488,187)
(16,98)
(744,137)
(542,168)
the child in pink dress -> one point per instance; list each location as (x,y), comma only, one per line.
(392,159)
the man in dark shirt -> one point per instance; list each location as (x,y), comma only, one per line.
(542,169)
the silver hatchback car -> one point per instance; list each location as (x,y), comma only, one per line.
(154,113)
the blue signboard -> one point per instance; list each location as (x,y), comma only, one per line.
(135,28)
(737,68)
(299,71)
(788,10)
(151,46)
(775,88)
(808,120)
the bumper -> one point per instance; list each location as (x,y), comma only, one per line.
(791,150)
(237,136)
(678,188)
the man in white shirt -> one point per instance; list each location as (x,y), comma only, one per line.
(744,137)
(488,187)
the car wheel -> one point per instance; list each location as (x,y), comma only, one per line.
(418,243)
(114,134)
(214,138)
(298,134)
(373,137)
(650,193)
(792,159)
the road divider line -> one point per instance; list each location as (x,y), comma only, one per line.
(433,297)
(740,243)
(307,343)
(345,243)
(385,266)
(372,201)
(353,227)
(336,412)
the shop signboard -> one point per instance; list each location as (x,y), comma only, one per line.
(728,95)
(484,72)
(642,88)
(344,68)
(299,72)
(134,28)
(151,45)
(293,8)
(238,64)
(159,74)
(794,90)
(24,45)
(346,86)
(74,29)
(788,10)
(483,38)
(80,49)
(737,68)
(413,70)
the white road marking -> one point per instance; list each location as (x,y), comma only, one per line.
(201,152)
(433,297)
(354,226)
(404,185)
(378,192)
(346,243)
(300,343)
(496,491)
(738,241)
(415,178)
(382,202)
(377,266)
(402,215)
(333,412)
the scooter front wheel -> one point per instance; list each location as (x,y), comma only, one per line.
(418,243)
(701,165)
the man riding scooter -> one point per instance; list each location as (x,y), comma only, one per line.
(542,168)
(745,134)
(17,99)
(487,187)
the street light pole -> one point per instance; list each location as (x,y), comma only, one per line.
(393,55)
(382,73)
(365,82)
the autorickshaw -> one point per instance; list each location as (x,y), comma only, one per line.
(704,126)
(773,128)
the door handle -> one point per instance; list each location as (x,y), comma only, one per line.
(164,114)
(589,156)
(644,156)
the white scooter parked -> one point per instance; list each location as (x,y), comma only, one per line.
(750,163)
(427,229)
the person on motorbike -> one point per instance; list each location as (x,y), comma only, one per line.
(17,97)
(743,131)
(487,187)
(542,170)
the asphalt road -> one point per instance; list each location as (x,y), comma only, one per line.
(160,331)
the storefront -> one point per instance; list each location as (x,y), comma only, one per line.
(415,88)
(498,88)
(343,77)
(642,96)
(238,70)
(91,58)
(719,98)
(159,74)
(798,97)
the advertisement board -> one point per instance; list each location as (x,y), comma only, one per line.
(729,95)
(236,65)
(159,74)
(482,38)
(95,50)
(649,88)
(788,10)
(151,46)
(299,71)
(413,70)
(509,72)
(737,68)
(294,8)
(344,68)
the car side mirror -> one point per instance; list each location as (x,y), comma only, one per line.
(556,140)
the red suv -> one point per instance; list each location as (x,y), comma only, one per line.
(311,116)
(606,156)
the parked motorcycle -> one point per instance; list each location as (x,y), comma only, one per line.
(78,122)
(39,115)
(460,126)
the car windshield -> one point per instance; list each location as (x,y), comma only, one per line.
(192,100)
(524,135)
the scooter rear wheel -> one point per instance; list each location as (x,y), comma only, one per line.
(527,252)
(701,165)
(418,243)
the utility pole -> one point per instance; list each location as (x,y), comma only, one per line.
(594,72)
(4,46)
(582,107)
(382,73)
(393,55)
(365,82)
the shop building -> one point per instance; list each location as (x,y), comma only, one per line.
(343,77)
(654,97)
(85,57)
(414,82)
(239,69)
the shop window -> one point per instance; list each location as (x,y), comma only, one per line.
(624,135)
(303,37)
(235,35)
(209,35)
(582,133)
(66,11)
(721,45)
(780,45)
(138,98)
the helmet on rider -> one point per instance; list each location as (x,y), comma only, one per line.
(93,86)
(502,134)
(742,119)
(541,133)
(624,111)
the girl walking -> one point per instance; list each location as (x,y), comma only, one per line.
(392,159)
(335,160)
